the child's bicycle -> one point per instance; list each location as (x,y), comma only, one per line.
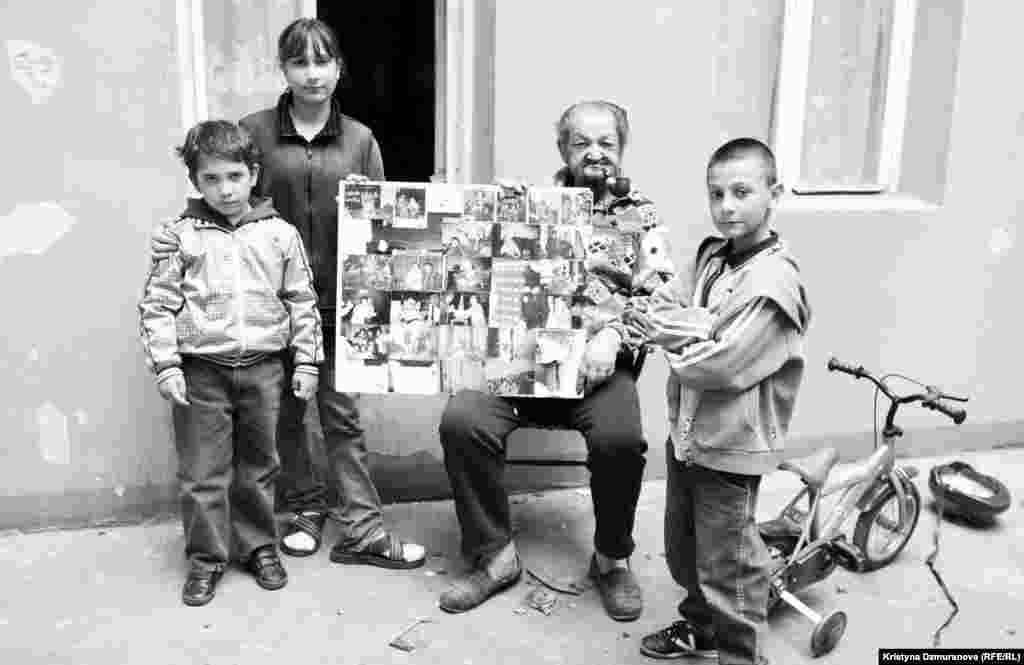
(807,543)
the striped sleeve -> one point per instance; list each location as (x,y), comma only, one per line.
(672,321)
(752,345)
(161,301)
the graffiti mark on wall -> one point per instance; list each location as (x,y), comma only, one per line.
(54,443)
(32,228)
(37,69)
(1001,240)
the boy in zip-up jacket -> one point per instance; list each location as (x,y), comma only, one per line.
(731,327)
(216,316)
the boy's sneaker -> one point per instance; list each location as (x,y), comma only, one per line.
(200,586)
(681,639)
(267,568)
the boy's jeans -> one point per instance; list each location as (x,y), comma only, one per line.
(303,485)
(715,552)
(227,458)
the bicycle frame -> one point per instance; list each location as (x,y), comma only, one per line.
(854,482)
(864,489)
(858,485)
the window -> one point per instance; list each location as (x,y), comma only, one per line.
(843,90)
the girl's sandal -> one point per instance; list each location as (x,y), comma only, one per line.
(309,522)
(386,552)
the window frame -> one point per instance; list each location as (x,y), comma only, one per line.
(464,121)
(191,62)
(791,100)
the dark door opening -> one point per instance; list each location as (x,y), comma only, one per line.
(390,49)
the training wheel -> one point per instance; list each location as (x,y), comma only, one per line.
(827,633)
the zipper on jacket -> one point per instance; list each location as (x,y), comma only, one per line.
(709,283)
(309,184)
(309,202)
(238,293)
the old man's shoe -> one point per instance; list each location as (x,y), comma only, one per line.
(479,585)
(620,592)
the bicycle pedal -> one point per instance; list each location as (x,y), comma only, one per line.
(848,555)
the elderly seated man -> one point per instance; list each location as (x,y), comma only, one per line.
(591,137)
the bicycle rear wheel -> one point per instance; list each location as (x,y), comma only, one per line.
(884,529)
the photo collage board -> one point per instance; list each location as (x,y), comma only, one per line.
(445,287)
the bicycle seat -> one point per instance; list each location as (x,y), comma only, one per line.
(813,469)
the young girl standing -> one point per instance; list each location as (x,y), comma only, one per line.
(309,145)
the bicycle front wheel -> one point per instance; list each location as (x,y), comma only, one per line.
(884,529)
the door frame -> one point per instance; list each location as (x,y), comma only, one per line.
(464,88)
(464,124)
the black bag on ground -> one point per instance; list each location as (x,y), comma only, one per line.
(959,489)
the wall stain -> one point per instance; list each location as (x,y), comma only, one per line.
(32,228)
(37,69)
(54,442)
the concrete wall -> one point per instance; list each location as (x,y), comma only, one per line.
(91,110)
(928,291)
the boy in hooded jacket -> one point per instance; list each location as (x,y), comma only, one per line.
(731,327)
(216,317)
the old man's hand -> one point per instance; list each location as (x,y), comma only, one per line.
(512,186)
(599,358)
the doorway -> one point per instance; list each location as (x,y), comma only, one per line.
(389,46)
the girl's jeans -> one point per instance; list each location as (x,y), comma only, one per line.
(303,484)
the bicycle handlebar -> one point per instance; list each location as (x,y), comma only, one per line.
(933,399)
(957,414)
(837,365)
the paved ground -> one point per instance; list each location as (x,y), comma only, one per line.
(105,596)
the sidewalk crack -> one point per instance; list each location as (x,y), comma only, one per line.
(930,562)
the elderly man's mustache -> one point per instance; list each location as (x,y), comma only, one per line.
(606,167)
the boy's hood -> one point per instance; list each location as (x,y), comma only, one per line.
(262,208)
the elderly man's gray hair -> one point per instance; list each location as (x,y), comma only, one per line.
(621,121)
